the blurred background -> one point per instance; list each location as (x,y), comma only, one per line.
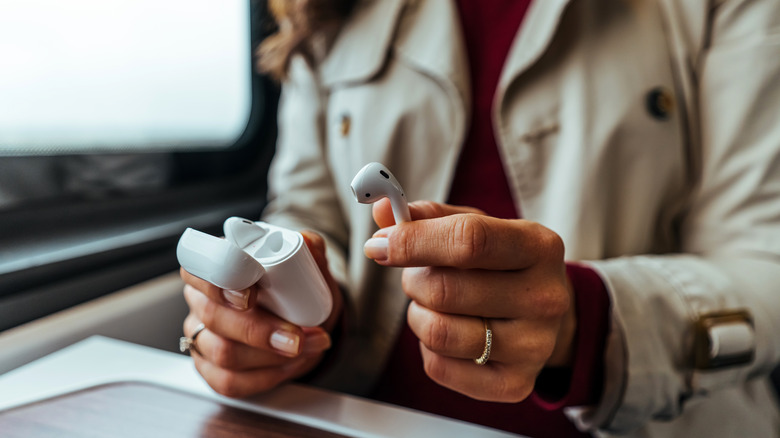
(122,123)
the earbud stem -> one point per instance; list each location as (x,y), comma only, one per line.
(400,209)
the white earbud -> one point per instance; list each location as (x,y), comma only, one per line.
(293,285)
(374,182)
(242,232)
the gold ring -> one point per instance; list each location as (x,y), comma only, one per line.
(482,360)
(187,343)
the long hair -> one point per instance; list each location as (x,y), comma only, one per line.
(298,23)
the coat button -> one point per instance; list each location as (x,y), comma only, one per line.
(344,126)
(660,103)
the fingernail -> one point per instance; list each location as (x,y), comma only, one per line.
(237,299)
(376,248)
(384,232)
(286,342)
(316,343)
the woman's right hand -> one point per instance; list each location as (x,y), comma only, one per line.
(245,349)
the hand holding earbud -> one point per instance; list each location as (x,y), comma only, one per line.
(374,182)
(464,271)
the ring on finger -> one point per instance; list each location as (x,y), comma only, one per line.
(482,360)
(187,343)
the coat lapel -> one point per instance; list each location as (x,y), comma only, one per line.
(536,32)
(360,49)
(431,39)
(424,33)
(427,34)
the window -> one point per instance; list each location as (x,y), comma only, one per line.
(97,76)
(121,124)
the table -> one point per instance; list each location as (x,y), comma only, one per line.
(105,387)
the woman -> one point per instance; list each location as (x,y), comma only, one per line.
(640,136)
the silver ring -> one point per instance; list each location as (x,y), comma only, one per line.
(482,360)
(187,343)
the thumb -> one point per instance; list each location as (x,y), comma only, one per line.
(383,211)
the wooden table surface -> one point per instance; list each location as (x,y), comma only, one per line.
(142,410)
(102,387)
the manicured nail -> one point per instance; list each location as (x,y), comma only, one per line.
(316,343)
(237,299)
(376,248)
(285,342)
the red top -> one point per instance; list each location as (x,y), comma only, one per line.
(489,29)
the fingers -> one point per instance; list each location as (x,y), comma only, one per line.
(316,245)
(244,383)
(450,343)
(463,265)
(236,368)
(240,300)
(491,294)
(383,211)
(257,327)
(465,241)
(492,382)
(463,337)
(244,348)
(229,354)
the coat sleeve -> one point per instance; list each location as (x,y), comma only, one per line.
(301,190)
(730,237)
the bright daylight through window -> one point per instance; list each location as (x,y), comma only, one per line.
(84,76)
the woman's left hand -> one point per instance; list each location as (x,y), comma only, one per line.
(463,266)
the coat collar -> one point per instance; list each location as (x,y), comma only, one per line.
(536,33)
(359,51)
(430,39)
(427,34)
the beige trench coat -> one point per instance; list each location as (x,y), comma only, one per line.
(679,214)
